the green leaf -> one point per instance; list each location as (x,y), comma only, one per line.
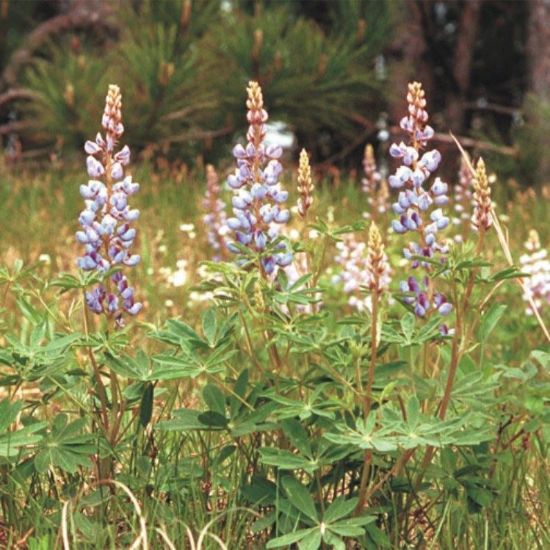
(185,420)
(413,411)
(297,435)
(12,441)
(339,508)
(291,538)
(300,498)
(378,536)
(214,398)
(146,406)
(210,326)
(285,460)
(489,320)
(408,322)
(312,541)
(67,446)
(213,419)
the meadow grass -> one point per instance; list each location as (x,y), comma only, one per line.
(190,491)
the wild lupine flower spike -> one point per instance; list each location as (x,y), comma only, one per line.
(361,264)
(378,267)
(414,202)
(372,176)
(462,199)
(537,265)
(258,196)
(106,232)
(215,218)
(305,185)
(374,185)
(481,220)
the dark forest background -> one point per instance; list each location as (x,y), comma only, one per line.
(333,73)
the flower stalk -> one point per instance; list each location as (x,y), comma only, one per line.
(378,269)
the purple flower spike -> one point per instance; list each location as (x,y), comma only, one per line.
(215,218)
(258,197)
(414,204)
(106,232)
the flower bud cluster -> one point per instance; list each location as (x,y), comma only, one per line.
(378,267)
(106,233)
(537,265)
(258,200)
(481,219)
(362,268)
(419,209)
(305,185)
(463,194)
(215,218)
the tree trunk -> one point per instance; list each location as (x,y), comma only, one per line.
(462,64)
(538,57)
(409,52)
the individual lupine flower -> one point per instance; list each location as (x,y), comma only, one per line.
(106,220)
(481,219)
(373,184)
(537,265)
(258,196)
(215,218)
(419,210)
(305,185)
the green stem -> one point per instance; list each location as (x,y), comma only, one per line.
(367,404)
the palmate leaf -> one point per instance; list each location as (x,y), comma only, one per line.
(67,446)
(366,436)
(339,508)
(11,442)
(315,403)
(34,360)
(330,528)
(285,460)
(190,365)
(412,332)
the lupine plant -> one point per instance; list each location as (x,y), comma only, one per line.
(265,412)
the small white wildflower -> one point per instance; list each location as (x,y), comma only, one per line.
(187,227)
